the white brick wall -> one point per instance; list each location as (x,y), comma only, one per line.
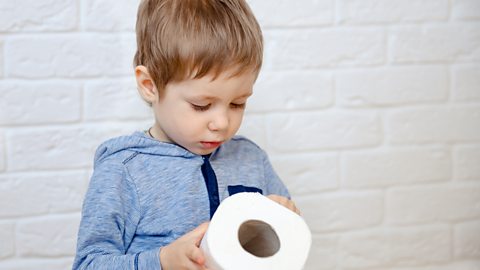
(466,79)
(370,110)
(381,11)
(406,246)
(38,16)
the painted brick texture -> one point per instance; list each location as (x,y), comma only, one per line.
(369,110)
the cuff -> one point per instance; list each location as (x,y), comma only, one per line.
(149,260)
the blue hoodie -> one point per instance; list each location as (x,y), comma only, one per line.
(144,194)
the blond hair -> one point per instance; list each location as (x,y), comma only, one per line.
(179,39)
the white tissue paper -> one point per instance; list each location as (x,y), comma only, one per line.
(251,232)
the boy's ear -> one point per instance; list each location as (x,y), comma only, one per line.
(145,85)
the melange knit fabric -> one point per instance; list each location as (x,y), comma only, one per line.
(144,194)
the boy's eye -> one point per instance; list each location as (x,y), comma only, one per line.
(200,107)
(237,106)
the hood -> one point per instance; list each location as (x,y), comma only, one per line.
(141,143)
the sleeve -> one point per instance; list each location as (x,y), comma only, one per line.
(110,214)
(274,184)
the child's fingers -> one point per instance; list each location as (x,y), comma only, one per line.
(285,202)
(295,209)
(278,199)
(291,205)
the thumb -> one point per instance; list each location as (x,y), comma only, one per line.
(196,235)
(199,232)
(196,255)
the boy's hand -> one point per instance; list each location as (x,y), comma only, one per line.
(285,202)
(184,253)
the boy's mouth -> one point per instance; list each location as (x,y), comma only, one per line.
(210,145)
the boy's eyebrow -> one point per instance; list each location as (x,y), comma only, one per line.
(206,97)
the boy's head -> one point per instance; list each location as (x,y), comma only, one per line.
(196,63)
(179,39)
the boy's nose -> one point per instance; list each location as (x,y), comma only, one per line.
(218,123)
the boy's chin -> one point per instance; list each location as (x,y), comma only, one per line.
(202,151)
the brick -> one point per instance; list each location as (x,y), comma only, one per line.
(39,102)
(381,248)
(307,131)
(52,236)
(307,173)
(59,148)
(397,166)
(341,211)
(7,234)
(380,11)
(455,265)
(466,160)
(465,9)
(69,56)
(435,43)
(315,48)
(41,193)
(436,203)
(27,15)
(435,124)
(467,240)
(110,15)
(323,253)
(34,264)
(466,82)
(253,127)
(392,86)
(273,91)
(114,100)
(3,152)
(2,58)
(285,13)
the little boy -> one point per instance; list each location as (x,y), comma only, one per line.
(151,193)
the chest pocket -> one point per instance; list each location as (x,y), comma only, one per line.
(240,188)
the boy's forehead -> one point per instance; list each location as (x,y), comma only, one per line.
(209,87)
(228,76)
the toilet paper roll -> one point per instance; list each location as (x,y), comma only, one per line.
(251,232)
